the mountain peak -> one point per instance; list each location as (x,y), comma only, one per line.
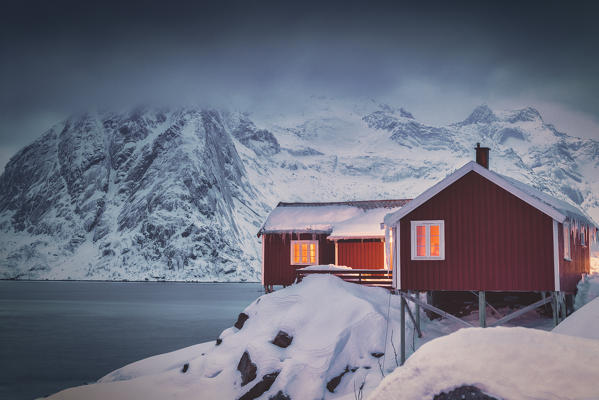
(525,114)
(481,114)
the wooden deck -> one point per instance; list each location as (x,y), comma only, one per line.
(367,277)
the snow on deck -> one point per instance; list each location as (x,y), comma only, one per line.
(509,363)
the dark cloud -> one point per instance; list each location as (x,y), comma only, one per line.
(440,57)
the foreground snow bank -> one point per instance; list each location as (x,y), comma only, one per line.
(335,334)
(509,363)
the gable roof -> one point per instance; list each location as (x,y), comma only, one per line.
(355,218)
(557,209)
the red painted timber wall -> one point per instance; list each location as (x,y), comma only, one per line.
(493,241)
(277,256)
(570,271)
(361,255)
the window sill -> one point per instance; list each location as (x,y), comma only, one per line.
(428,258)
(567,259)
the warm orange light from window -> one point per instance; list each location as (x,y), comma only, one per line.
(435,240)
(296,253)
(312,253)
(421,240)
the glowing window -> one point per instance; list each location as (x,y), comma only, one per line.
(428,240)
(567,241)
(304,252)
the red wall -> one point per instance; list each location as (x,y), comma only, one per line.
(493,241)
(571,271)
(361,254)
(277,256)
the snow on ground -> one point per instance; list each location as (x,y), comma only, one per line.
(509,363)
(588,287)
(346,338)
(583,323)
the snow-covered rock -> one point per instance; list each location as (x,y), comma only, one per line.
(508,363)
(180,194)
(346,345)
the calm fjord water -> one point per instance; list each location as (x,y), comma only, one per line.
(54,335)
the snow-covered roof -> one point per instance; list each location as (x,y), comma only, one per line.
(350,219)
(557,209)
(365,225)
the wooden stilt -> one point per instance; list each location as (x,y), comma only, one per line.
(562,306)
(482,310)
(521,311)
(418,318)
(403,330)
(413,320)
(554,308)
(435,310)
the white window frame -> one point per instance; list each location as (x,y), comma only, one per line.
(292,254)
(566,234)
(427,224)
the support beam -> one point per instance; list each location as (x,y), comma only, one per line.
(482,310)
(435,309)
(417,326)
(562,303)
(403,330)
(521,311)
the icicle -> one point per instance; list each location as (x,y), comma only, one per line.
(313,236)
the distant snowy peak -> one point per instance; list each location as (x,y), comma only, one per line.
(480,115)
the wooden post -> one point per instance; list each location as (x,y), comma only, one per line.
(403,330)
(482,310)
(418,316)
(562,306)
(336,253)
(554,308)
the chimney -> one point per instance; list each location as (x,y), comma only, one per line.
(482,155)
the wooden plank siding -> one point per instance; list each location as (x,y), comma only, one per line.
(361,254)
(493,241)
(571,271)
(277,256)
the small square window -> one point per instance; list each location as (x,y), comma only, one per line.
(428,240)
(304,252)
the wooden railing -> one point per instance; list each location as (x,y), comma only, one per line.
(367,277)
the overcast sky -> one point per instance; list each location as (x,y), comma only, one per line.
(437,59)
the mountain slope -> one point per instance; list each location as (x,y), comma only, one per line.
(180,194)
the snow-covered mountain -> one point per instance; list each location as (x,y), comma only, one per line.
(179,194)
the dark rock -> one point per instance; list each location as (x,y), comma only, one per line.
(282,339)
(259,388)
(464,393)
(280,396)
(185,367)
(247,368)
(218,341)
(333,383)
(241,320)
(377,354)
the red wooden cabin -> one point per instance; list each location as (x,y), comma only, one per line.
(298,235)
(477,230)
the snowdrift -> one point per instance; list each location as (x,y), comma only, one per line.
(335,334)
(509,363)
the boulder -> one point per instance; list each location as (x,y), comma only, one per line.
(464,393)
(283,339)
(247,368)
(241,320)
(259,388)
